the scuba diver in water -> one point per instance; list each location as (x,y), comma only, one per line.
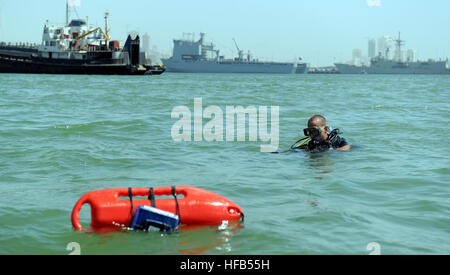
(319,138)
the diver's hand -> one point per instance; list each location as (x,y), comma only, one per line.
(345,148)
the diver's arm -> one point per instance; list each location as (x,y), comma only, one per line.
(345,148)
(343,145)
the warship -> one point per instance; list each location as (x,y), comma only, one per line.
(190,56)
(384,65)
(76,48)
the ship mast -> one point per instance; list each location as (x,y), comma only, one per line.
(1,31)
(400,43)
(67,12)
(107,25)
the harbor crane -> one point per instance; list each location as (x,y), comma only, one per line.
(240,52)
(92,31)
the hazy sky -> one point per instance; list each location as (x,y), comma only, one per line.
(320,31)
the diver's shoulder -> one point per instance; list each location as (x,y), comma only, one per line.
(337,141)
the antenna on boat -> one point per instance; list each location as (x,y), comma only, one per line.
(107,25)
(71,5)
(1,30)
(67,12)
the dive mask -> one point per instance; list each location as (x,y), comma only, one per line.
(313,132)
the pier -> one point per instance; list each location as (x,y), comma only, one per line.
(323,70)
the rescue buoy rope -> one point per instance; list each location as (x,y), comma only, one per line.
(174,193)
(151,197)
(242,216)
(130,194)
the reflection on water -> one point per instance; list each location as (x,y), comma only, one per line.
(324,162)
(321,163)
(201,240)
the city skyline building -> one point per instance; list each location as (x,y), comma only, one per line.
(146,43)
(356,56)
(372,51)
(385,44)
(411,55)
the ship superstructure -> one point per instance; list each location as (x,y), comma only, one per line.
(190,56)
(382,64)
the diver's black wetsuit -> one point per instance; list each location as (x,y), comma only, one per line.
(334,141)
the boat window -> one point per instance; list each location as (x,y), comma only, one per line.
(77,23)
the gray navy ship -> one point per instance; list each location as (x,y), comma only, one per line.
(383,65)
(190,56)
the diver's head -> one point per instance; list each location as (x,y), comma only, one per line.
(317,128)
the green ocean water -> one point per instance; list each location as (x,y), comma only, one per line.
(64,136)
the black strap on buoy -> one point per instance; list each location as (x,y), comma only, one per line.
(174,194)
(151,197)
(242,216)
(130,195)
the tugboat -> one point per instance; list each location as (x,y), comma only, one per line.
(76,48)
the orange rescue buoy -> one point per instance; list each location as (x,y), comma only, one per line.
(196,207)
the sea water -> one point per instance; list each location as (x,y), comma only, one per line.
(64,136)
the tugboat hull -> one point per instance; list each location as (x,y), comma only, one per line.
(29,66)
